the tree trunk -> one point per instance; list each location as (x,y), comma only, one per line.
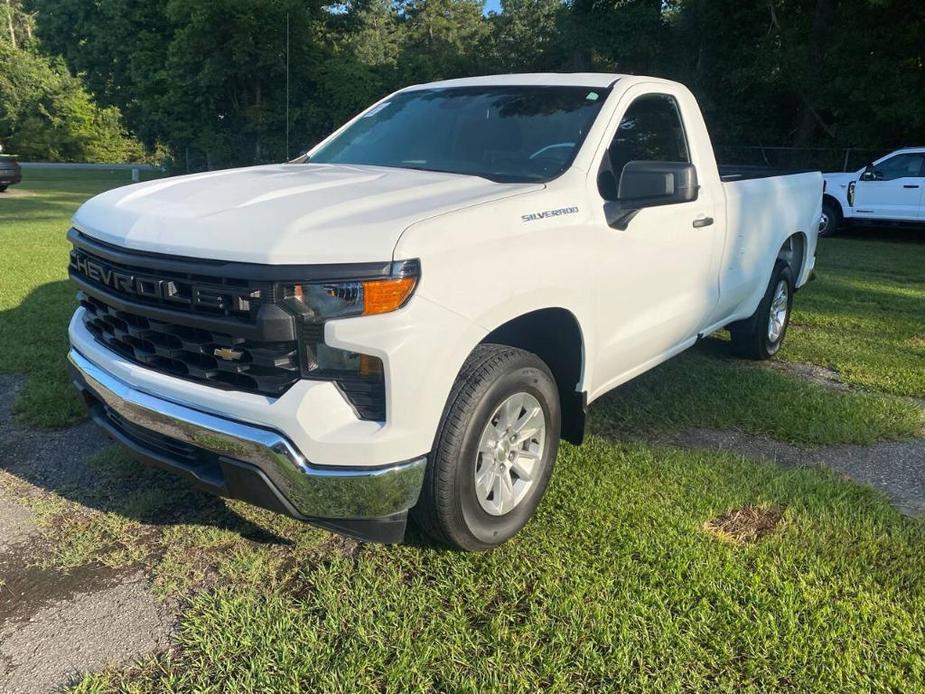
(820,32)
(9,17)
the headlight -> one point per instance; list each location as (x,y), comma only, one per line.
(359,377)
(321,301)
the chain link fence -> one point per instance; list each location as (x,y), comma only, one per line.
(821,158)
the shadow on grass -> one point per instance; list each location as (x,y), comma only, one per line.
(896,234)
(33,341)
(68,462)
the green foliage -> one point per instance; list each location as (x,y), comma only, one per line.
(46,113)
(208,78)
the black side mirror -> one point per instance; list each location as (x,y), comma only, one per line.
(650,184)
(869,173)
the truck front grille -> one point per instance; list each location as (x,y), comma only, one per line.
(196,354)
(219,323)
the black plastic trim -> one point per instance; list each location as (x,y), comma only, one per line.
(273,323)
(242,271)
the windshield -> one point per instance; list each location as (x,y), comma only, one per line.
(500,133)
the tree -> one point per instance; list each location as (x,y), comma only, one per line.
(445,39)
(46,114)
(526,36)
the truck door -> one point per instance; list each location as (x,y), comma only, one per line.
(656,279)
(891,189)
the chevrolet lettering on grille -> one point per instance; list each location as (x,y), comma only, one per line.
(149,287)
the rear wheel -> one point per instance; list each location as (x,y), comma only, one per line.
(831,218)
(761,335)
(494,452)
(4,186)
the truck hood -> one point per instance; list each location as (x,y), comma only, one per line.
(841,178)
(282,214)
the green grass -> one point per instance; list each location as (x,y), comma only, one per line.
(706,388)
(865,316)
(36,299)
(616,585)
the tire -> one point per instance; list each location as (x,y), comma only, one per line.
(831,217)
(3,187)
(453,508)
(756,337)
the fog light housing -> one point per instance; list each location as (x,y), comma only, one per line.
(359,377)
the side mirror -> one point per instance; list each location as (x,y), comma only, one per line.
(650,184)
(869,173)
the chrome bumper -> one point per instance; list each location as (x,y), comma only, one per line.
(311,492)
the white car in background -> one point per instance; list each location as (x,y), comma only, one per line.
(891,189)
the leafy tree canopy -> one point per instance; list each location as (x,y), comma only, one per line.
(209,78)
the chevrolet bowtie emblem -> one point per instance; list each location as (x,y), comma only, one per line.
(227,353)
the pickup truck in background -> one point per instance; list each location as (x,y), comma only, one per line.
(889,190)
(10,171)
(408,318)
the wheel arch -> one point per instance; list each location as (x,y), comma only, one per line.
(554,334)
(793,251)
(828,197)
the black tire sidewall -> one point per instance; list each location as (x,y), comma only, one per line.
(483,529)
(833,215)
(781,272)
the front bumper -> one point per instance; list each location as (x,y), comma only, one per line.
(254,464)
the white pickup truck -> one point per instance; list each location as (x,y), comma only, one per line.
(408,318)
(890,189)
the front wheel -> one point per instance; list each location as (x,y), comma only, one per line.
(494,452)
(761,335)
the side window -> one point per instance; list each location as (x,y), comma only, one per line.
(900,166)
(650,130)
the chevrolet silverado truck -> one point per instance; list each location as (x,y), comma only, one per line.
(889,190)
(407,319)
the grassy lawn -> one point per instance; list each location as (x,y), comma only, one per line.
(865,318)
(36,298)
(617,584)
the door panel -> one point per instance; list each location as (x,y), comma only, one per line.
(895,192)
(656,281)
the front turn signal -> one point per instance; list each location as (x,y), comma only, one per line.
(383,296)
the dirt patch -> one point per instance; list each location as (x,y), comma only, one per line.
(746,525)
(820,375)
(17,193)
(346,547)
(17,525)
(57,624)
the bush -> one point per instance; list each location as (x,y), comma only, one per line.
(47,114)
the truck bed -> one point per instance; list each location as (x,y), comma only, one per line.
(744,172)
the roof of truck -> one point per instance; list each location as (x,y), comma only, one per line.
(600,80)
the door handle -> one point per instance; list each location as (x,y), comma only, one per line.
(910,185)
(701,222)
